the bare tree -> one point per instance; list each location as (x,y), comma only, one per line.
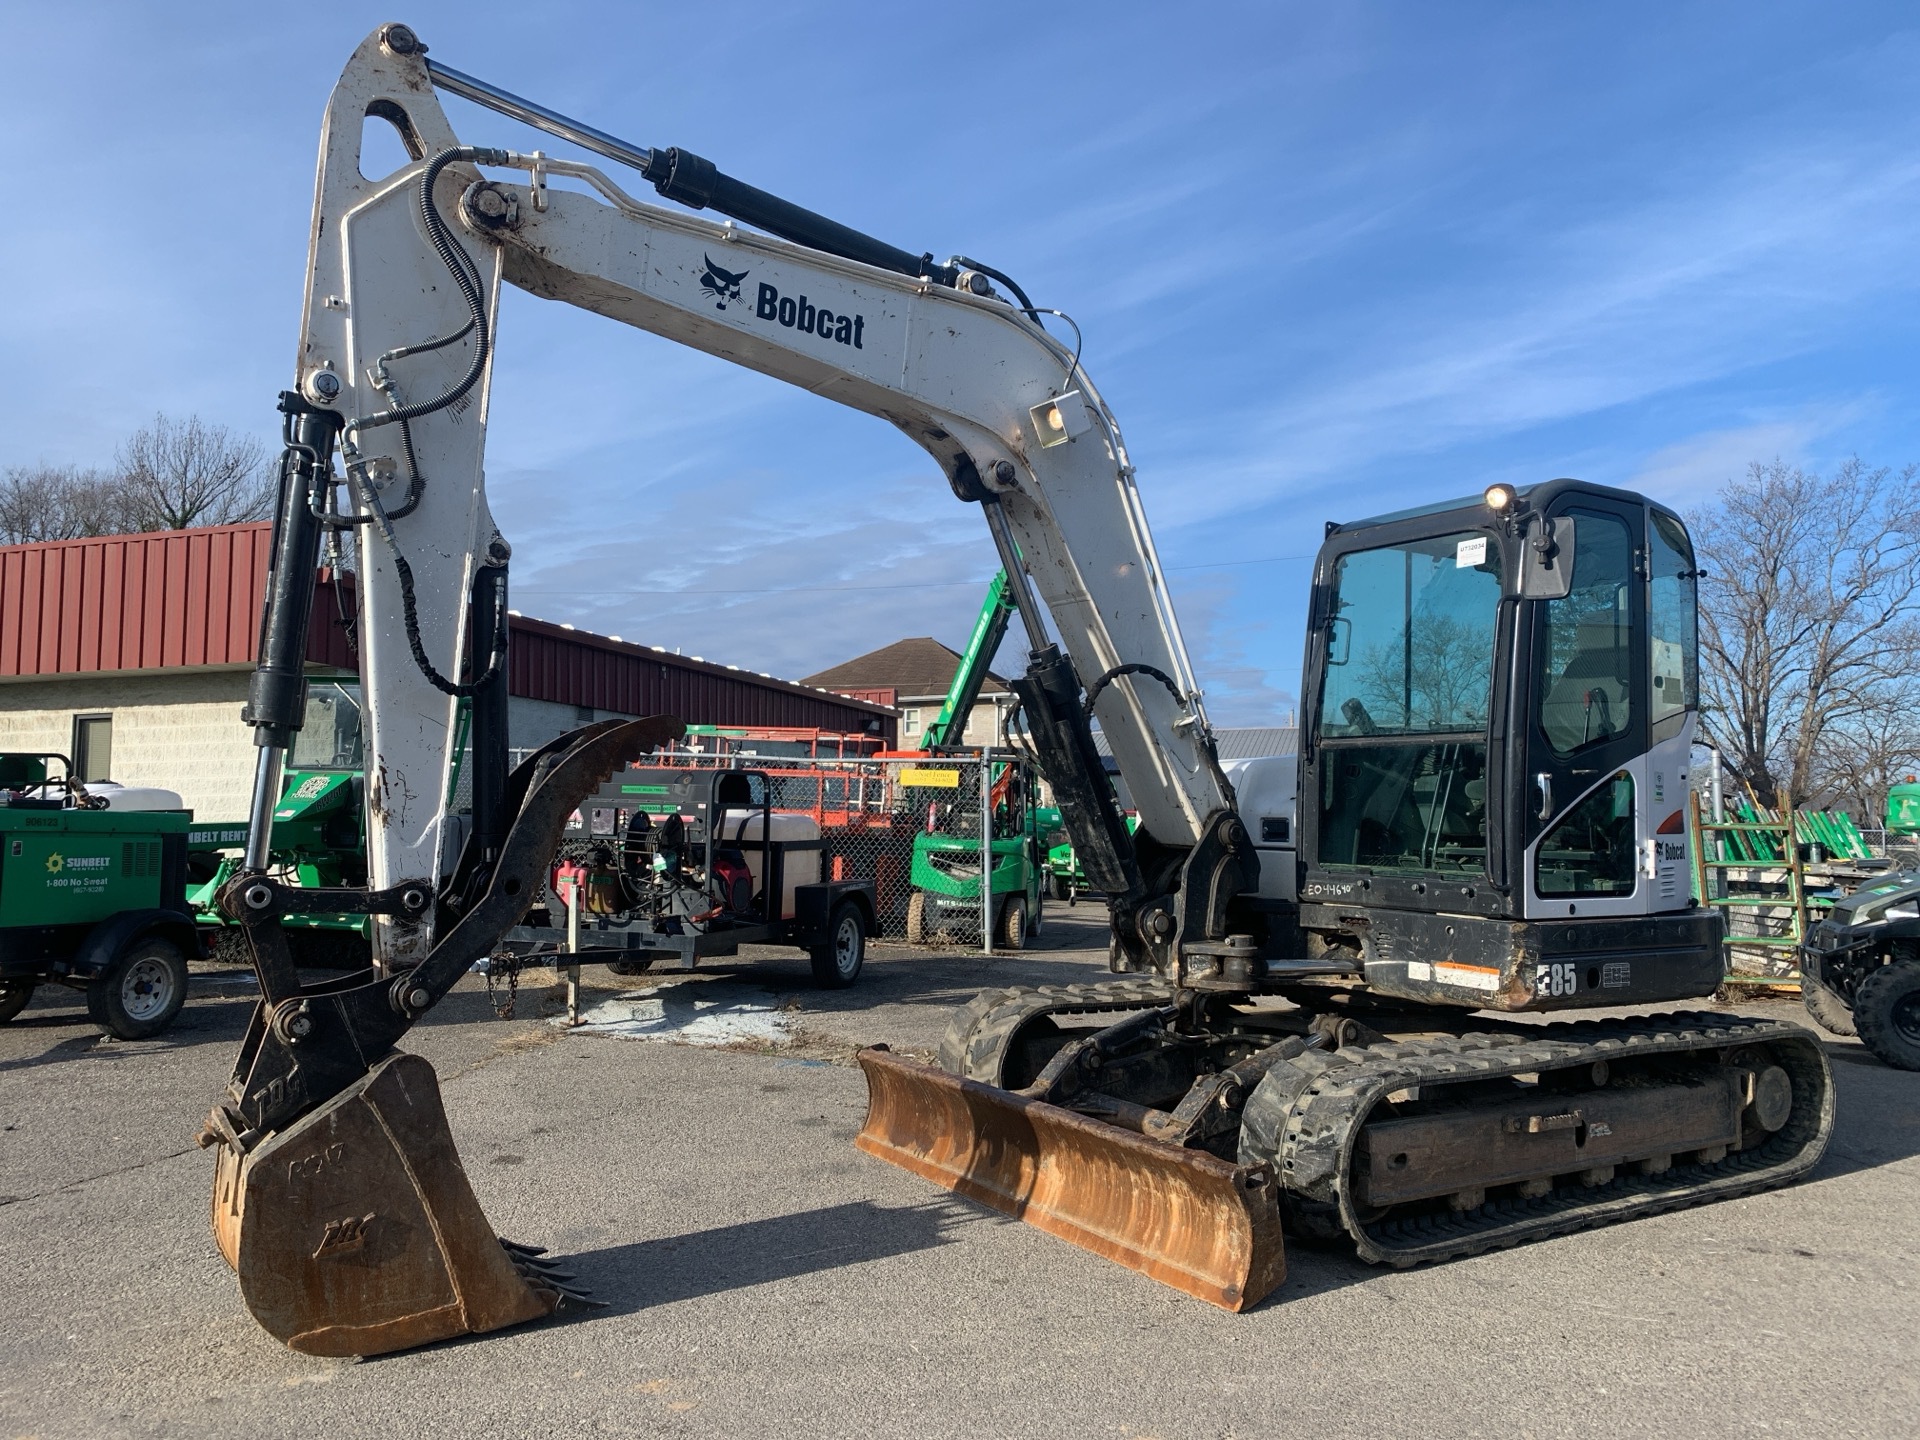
(1809,613)
(53,502)
(1859,760)
(181,473)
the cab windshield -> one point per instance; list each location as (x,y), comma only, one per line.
(1403,709)
(329,739)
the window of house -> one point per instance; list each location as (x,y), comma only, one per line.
(911,721)
(93,747)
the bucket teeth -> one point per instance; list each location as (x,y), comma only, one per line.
(546,1277)
(354,1230)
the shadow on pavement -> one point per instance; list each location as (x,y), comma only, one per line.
(1876,1113)
(650,1273)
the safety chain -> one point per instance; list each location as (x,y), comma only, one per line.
(511,964)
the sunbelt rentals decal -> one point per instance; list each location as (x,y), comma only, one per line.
(77,872)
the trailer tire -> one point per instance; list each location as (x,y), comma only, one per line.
(1886,1007)
(1827,1007)
(140,993)
(837,963)
(917,918)
(1059,886)
(1013,924)
(14,995)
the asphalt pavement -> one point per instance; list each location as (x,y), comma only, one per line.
(765,1278)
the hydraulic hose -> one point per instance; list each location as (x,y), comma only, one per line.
(448,250)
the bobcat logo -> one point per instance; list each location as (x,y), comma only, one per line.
(722,285)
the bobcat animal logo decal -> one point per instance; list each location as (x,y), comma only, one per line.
(722,285)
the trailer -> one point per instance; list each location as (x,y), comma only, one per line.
(675,864)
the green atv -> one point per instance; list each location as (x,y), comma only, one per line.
(93,895)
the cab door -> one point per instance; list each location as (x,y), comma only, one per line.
(1582,799)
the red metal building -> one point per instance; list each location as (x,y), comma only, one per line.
(155,634)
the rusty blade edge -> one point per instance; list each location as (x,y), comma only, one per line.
(1233,1255)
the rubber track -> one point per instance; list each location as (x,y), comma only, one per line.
(1315,1159)
(978,1038)
(1333,1093)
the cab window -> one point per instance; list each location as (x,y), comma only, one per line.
(1586,694)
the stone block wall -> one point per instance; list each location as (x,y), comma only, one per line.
(180,730)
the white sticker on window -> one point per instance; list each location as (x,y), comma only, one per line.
(1471,552)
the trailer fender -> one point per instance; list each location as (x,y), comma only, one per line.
(111,936)
(813,908)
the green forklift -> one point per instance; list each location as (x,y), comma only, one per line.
(945,872)
(93,882)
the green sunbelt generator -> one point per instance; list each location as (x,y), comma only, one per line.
(92,896)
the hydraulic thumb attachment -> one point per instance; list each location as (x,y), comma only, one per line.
(339,1198)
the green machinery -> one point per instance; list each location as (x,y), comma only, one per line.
(1065,879)
(945,874)
(1903,815)
(319,838)
(92,897)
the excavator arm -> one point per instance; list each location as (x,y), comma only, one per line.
(396,359)
(331,1144)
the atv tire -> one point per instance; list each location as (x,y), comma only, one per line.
(1887,1010)
(1825,1005)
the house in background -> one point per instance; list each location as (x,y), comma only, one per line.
(912,677)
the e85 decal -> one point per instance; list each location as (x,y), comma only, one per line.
(1556,979)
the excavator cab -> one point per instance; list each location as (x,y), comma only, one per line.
(1497,752)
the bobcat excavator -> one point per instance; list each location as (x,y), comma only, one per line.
(1499,702)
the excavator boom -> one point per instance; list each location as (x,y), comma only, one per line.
(339,1198)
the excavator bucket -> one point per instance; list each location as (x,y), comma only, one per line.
(354,1231)
(352,1227)
(1183,1217)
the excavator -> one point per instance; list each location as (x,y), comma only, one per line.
(1499,700)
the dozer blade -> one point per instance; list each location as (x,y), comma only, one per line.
(1183,1217)
(354,1230)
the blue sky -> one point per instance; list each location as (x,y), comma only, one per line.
(1330,260)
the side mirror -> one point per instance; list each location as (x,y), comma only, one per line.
(1546,559)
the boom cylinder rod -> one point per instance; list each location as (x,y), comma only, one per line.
(695,182)
(1016,572)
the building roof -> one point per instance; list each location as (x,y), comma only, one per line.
(190,599)
(917,669)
